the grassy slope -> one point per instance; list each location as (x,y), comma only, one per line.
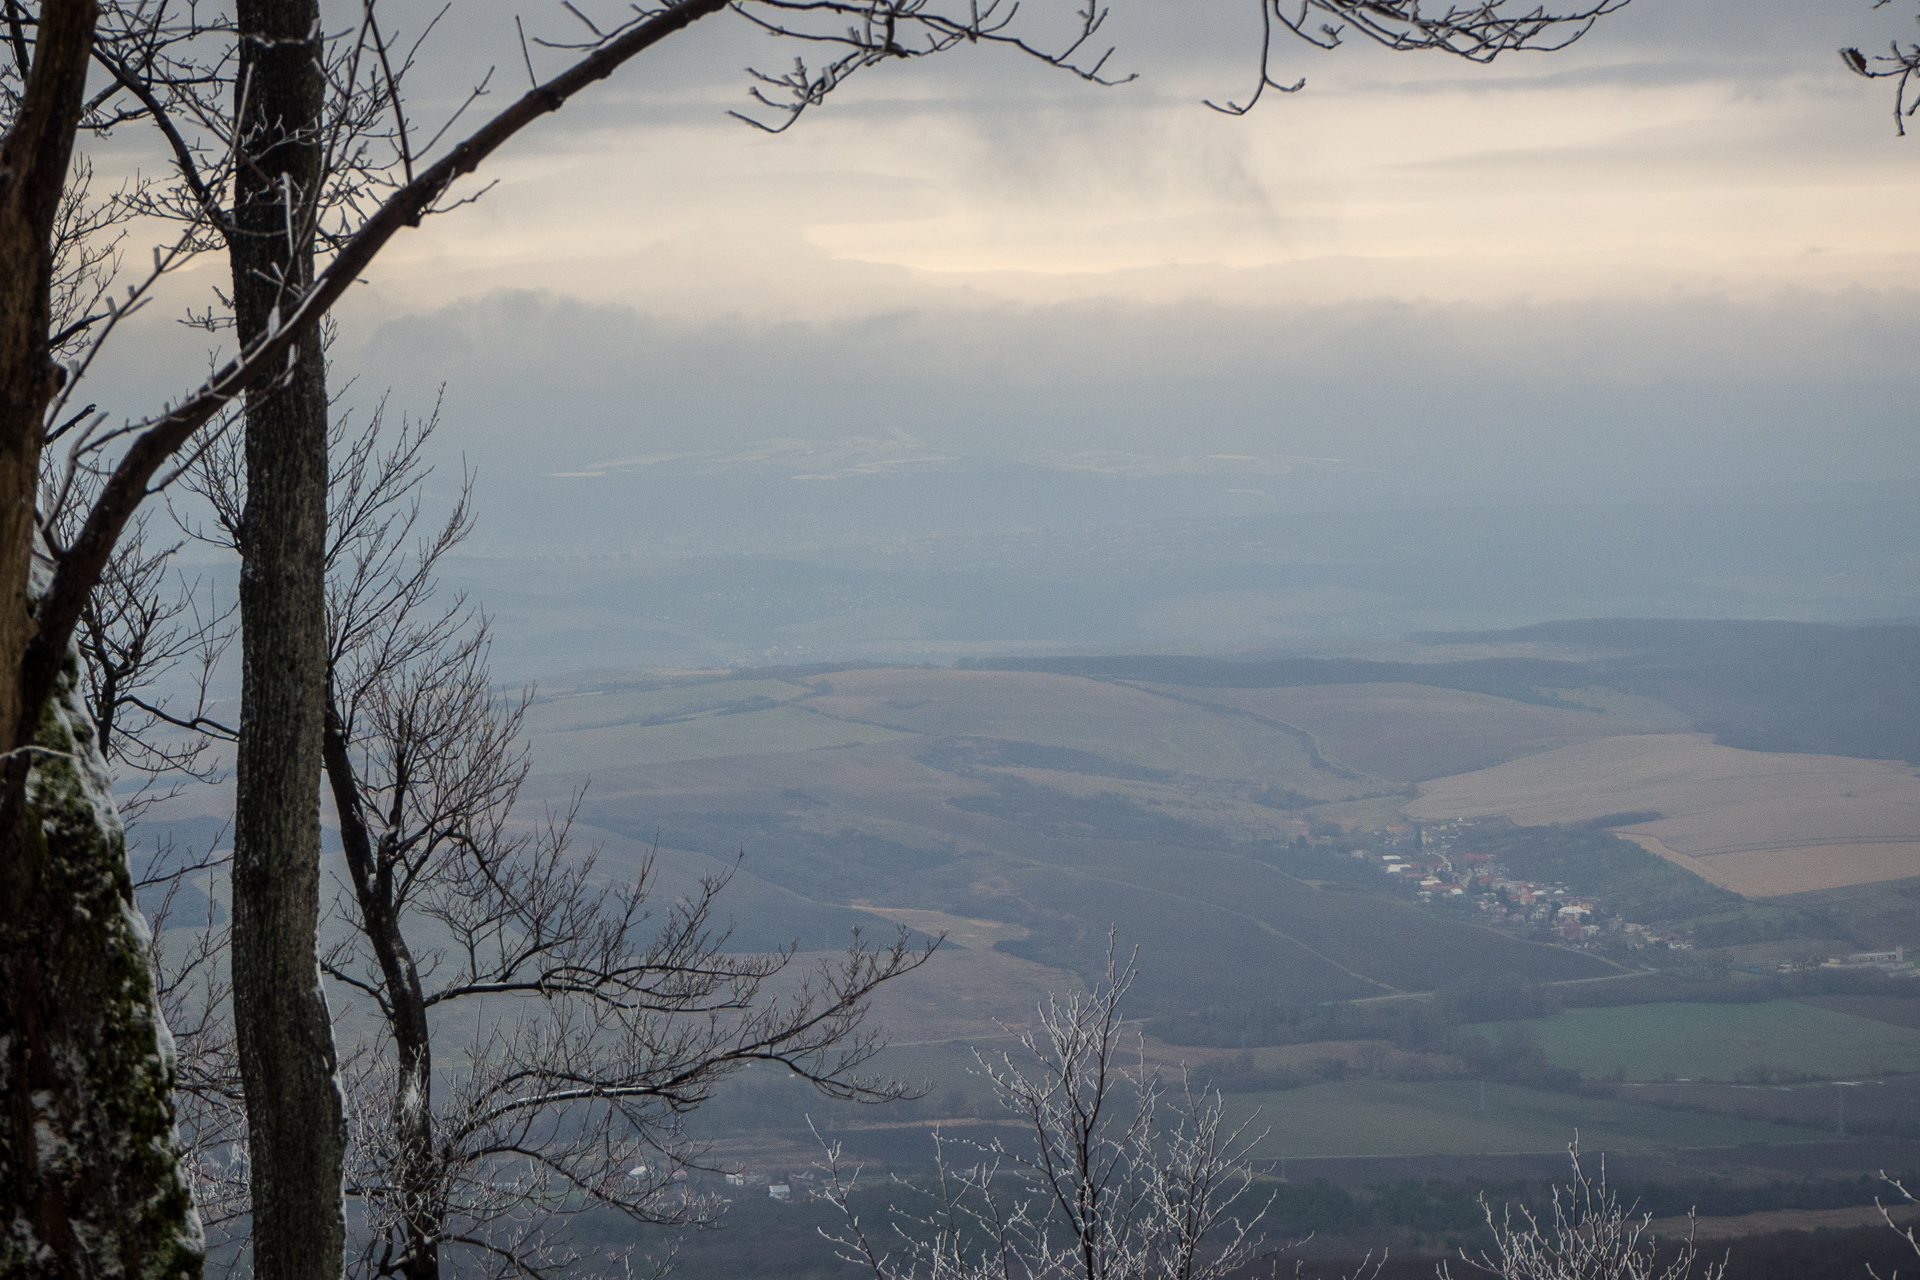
(1124,724)
(1212,912)
(948,807)
(714,735)
(938,812)
(1410,732)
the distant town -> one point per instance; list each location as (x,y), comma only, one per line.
(1422,857)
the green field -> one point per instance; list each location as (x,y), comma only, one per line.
(1367,1117)
(1445,1117)
(1723,1041)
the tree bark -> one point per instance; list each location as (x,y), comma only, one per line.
(281,1022)
(89,1170)
(33,173)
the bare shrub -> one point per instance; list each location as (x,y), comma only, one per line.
(1588,1235)
(1116,1174)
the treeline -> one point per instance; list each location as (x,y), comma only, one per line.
(1401,1039)
(966,756)
(1433,1039)
(1722,988)
(1765,686)
(1413,1024)
(1446,1212)
(1403,1023)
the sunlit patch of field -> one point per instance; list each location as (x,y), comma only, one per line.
(1459,1117)
(1775,822)
(1405,732)
(1767,873)
(1723,1041)
(963,994)
(959,931)
(1121,723)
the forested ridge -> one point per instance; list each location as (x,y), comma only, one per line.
(1762,686)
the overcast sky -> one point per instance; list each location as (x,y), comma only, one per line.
(1677,254)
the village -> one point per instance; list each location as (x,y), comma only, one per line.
(1433,872)
(1423,858)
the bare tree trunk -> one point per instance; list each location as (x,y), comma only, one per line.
(33,173)
(298,1134)
(88,1170)
(373,887)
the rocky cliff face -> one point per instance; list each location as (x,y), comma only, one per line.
(88,1153)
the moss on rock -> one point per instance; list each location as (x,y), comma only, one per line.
(91,1157)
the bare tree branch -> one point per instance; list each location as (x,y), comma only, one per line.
(1478,32)
(1114,1177)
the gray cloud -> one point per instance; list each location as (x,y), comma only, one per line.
(1595,398)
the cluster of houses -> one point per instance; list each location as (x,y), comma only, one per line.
(1894,963)
(782,1188)
(1430,868)
(1423,858)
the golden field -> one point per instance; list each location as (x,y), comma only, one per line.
(1759,823)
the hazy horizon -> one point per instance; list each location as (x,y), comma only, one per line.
(1672,257)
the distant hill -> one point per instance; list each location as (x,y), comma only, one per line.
(1769,686)
(1764,686)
